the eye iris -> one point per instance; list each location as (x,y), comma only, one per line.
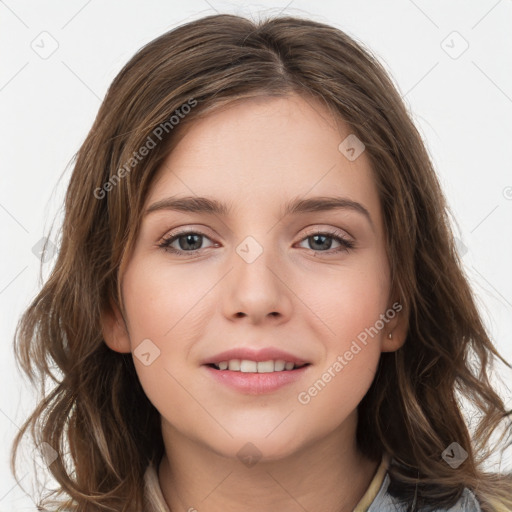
(322,244)
(189,240)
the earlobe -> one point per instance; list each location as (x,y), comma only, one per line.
(114,330)
(392,342)
(395,333)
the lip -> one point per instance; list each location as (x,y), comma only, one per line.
(256,383)
(263,354)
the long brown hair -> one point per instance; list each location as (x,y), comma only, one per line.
(97,417)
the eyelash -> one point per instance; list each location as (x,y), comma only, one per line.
(345,244)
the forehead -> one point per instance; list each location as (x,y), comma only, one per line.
(263,152)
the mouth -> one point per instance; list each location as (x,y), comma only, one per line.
(249,366)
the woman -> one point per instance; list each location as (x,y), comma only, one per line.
(215,348)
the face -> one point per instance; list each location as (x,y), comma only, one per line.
(305,285)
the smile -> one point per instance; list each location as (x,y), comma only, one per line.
(248,366)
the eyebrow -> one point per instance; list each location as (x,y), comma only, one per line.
(196,204)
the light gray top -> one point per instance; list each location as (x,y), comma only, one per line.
(384,502)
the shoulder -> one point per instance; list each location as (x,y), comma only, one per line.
(384,502)
(467,503)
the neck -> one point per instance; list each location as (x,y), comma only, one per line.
(329,475)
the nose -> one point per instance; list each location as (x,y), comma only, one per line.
(257,290)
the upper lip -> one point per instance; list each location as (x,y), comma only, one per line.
(258,355)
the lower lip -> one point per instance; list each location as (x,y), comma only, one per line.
(256,383)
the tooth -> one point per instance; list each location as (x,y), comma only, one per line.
(265,366)
(279,365)
(234,365)
(247,366)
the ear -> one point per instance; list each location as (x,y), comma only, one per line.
(395,332)
(114,329)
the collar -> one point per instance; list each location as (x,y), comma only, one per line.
(155,502)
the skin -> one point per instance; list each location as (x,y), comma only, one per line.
(255,155)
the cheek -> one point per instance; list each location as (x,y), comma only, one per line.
(167,311)
(353,312)
(349,301)
(163,301)
(351,305)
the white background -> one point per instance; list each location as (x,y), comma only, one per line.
(462,105)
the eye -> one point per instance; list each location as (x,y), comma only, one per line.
(322,242)
(191,242)
(187,241)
